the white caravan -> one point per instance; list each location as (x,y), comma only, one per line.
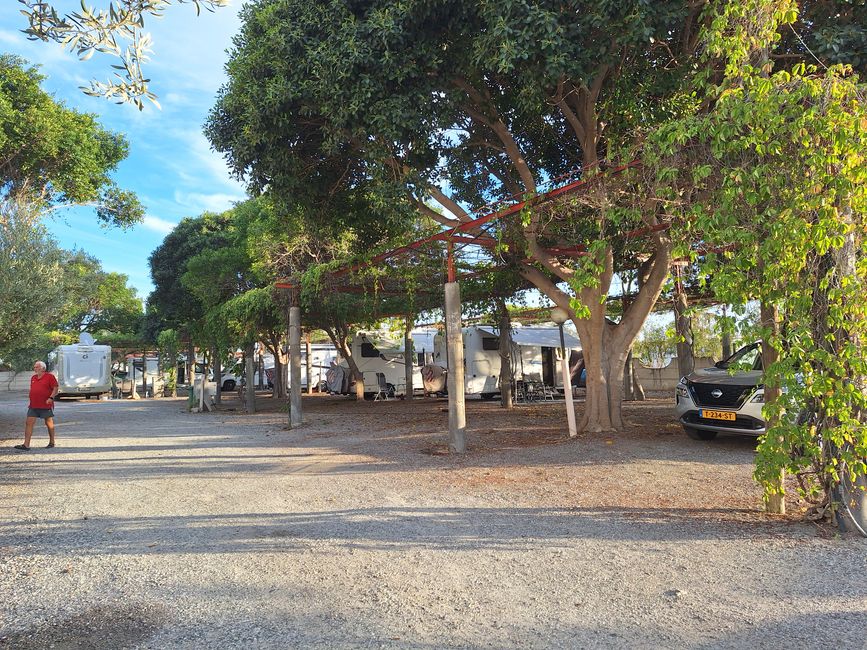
(81,369)
(322,355)
(375,354)
(535,357)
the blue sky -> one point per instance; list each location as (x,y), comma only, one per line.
(170,165)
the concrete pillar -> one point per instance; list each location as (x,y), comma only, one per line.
(249,371)
(455,344)
(295,415)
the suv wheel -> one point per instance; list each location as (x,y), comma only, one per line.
(698,434)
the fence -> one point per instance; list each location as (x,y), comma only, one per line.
(664,379)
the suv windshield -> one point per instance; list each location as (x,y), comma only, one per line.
(747,358)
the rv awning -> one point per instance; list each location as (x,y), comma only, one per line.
(545,337)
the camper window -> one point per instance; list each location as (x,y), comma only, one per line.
(369,350)
(490,343)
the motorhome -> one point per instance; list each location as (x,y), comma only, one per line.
(81,368)
(381,361)
(535,357)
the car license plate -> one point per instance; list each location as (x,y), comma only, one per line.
(718,415)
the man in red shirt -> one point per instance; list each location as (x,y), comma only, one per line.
(43,388)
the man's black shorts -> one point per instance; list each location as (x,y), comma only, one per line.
(40,413)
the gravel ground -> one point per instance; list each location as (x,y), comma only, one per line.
(148,527)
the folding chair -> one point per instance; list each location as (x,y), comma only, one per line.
(383,388)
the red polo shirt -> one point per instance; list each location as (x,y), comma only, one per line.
(40,390)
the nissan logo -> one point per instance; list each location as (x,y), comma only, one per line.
(716,392)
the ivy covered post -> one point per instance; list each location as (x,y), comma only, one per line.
(295,414)
(775,487)
(682,325)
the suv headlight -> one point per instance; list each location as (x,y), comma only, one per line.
(759,397)
(681,389)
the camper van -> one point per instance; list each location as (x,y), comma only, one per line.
(535,357)
(81,369)
(381,361)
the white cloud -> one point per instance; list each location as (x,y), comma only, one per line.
(159,225)
(198,202)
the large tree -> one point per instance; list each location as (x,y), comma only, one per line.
(96,301)
(52,156)
(31,270)
(171,304)
(490,99)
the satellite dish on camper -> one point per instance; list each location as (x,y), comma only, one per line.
(85,339)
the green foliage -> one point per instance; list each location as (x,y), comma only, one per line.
(93,30)
(95,301)
(782,158)
(171,304)
(53,156)
(31,290)
(169,345)
(655,346)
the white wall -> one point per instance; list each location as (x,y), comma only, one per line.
(20,381)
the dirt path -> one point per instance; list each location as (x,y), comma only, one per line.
(148,527)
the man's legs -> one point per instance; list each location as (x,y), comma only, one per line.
(28,429)
(49,423)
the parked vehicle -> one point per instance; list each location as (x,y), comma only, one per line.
(727,397)
(381,362)
(535,358)
(81,369)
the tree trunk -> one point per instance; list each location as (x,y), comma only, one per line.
(629,379)
(597,416)
(637,389)
(191,363)
(277,392)
(775,498)
(607,345)
(339,336)
(726,334)
(505,349)
(683,328)
(296,415)
(359,379)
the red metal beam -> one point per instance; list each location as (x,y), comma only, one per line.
(456,234)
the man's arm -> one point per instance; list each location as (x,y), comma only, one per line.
(54,390)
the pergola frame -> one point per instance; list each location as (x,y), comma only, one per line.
(473,233)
